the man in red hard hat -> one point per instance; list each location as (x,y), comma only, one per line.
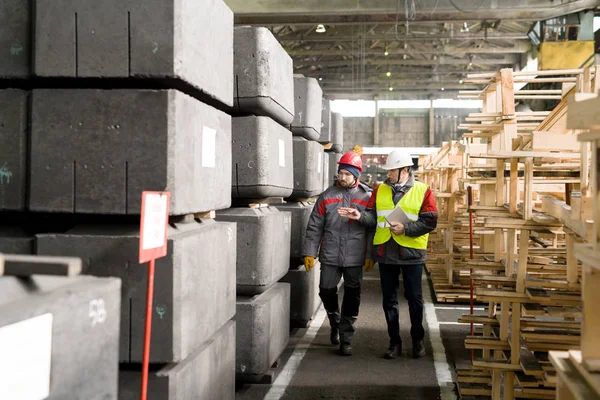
(400,247)
(340,244)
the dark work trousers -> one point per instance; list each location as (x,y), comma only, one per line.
(390,282)
(330,278)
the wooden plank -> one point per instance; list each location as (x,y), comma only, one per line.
(502,365)
(583,111)
(499,296)
(553,141)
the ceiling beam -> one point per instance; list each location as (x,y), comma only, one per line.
(338,72)
(395,95)
(294,12)
(400,85)
(411,38)
(521,46)
(508,59)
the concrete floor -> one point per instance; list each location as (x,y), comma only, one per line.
(320,373)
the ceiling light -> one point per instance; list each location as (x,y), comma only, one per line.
(461,81)
(404,56)
(320,28)
(320,78)
(465,27)
(442,89)
(388,73)
(385,51)
(391,89)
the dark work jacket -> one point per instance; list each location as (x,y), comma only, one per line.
(336,240)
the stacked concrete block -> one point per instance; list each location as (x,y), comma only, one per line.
(121,142)
(308,168)
(195,283)
(304,295)
(262,158)
(263,168)
(326,170)
(308,98)
(159,123)
(60,334)
(263,75)
(263,323)
(187,44)
(13,146)
(337,132)
(300,212)
(208,373)
(14,240)
(333,167)
(325,136)
(15,39)
(263,237)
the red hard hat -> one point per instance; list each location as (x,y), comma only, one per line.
(351,158)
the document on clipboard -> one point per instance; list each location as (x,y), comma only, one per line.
(398,215)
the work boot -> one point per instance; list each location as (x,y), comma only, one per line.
(346,349)
(393,351)
(334,336)
(418,349)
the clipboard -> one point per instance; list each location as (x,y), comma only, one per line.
(398,215)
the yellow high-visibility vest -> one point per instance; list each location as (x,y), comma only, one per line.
(410,203)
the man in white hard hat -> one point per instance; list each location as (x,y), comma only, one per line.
(400,247)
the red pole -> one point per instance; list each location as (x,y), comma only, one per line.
(470,203)
(148,329)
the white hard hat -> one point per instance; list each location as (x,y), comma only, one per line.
(398,159)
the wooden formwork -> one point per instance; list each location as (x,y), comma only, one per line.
(532,190)
(578,371)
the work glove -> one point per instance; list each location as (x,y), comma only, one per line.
(369,264)
(309,263)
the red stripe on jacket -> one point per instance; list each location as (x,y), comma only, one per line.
(326,202)
(361,202)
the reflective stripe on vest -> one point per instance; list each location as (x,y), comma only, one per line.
(410,203)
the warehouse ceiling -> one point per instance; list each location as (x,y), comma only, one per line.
(418,48)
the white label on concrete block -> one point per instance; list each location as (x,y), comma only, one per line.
(320,163)
(155,222)
(209,147)
(281,153)
(26,353)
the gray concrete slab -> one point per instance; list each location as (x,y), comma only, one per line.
(333,167)
(194,291)
(13,146)
(95,151)
(325,136)
(263,331)
(300,214)
(14,240)
(264,83)
(304,295)
(337,133)
(262,156)
(208,373)
(80,316)
(15,38)
(326,170)
(308,97)
(188,41)
(308,168)
(263,250)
